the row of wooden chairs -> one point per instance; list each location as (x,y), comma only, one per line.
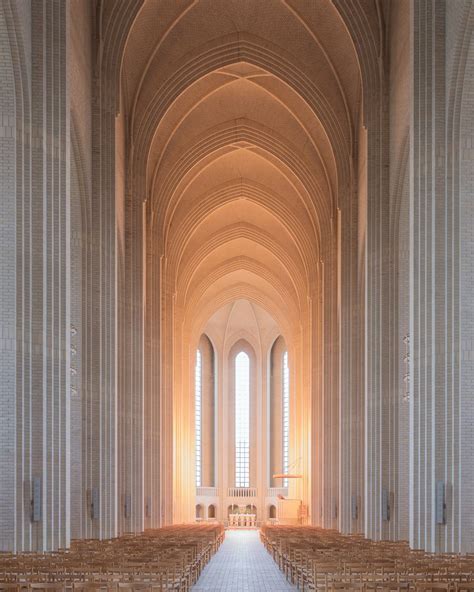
(315,559)
(165,559)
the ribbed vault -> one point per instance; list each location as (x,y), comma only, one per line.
(242,122)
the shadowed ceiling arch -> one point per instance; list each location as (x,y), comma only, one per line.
(244,136)
(181,227)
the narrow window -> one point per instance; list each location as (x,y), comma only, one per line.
(242,420)
(286,415)
(197,414)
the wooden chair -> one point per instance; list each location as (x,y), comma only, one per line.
(47,586)
(433,586)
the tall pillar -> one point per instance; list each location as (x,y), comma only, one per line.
(429,261)
(276,411)
(460,32)
(378,403)
(208,409)
(130,245)
(152,400)
(441,331)
(351,414)
(10,336)
(100,405)
(35,484)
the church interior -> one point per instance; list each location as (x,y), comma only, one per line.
(236,307)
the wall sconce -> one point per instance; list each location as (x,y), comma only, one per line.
(406,361)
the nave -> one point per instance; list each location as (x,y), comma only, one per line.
(241,564)
(236,271)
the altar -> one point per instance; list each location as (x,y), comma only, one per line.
(242,520)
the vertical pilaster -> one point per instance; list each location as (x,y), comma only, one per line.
(460,198)
(130,253)
(49,356)
(378,406)
(430,260)
(351,412)
(35,279)
(11,224)
(153,401)
(330,392)
(100,398)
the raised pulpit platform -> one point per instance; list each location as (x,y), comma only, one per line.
(289,511)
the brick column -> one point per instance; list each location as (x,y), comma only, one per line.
(431,259)
(35,278)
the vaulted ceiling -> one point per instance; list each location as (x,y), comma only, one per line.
(242,118)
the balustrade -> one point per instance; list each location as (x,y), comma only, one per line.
(276,491)
(207,491)
(242,492)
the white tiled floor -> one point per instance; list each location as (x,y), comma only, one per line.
(242,565)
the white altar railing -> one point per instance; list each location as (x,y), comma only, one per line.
(243,520)
(207,491)
(242,492)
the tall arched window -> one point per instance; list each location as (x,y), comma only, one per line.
(286,414)
(198,415)
(242,420)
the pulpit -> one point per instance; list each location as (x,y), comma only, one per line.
(289,511)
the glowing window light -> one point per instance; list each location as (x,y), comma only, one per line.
(242,420)
(286,415)
(197,415)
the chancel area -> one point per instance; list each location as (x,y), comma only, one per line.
(236,294)
(242,421)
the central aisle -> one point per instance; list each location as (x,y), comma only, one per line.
(242,565)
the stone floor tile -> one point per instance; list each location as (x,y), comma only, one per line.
(242,565)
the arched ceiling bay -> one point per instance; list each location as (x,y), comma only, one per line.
(167,34)
(258,103)
(241,115)
(242,319)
